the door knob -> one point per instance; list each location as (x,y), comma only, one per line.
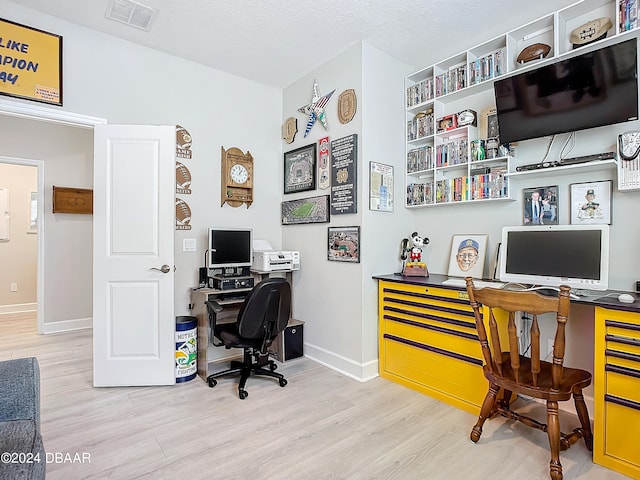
(163,269)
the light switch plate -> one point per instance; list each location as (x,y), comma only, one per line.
(188,244)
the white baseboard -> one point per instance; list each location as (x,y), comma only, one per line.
(19,308)
(67,325)
(362,372)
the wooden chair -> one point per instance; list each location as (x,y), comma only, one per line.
(514,373)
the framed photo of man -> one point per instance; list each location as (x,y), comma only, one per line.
(540,206)
(467,255)
(591,203)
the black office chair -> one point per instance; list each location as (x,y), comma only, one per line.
(263,315)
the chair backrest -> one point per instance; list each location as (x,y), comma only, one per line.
(266,310)
(519,301)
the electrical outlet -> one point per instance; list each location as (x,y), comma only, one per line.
(549,346)
(13,287)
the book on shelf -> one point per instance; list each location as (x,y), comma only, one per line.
(489,182)
(420,92)
(451,190)
(488,66)
(628,15)
(420,193)
(452,153)
(420,159)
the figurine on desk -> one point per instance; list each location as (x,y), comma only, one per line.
(414,267)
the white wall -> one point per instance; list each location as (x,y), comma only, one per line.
(326,295)
(18,256)
(383,141)
(338,301)
(129,84)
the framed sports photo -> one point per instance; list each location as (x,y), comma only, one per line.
(591,203)
(343,244)
(306,210)
(467,255)
(300,169)
(540,206)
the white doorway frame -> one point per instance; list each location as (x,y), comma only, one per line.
(45,114)
(39,165)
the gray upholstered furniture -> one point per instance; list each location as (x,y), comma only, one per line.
(20,420)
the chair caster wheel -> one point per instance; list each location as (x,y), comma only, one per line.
(243,394)
(212,382)
(272,367)
(283,382)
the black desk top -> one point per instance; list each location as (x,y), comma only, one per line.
(606,298)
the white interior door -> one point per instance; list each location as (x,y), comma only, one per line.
(134,221)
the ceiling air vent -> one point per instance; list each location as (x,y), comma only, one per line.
(131,13)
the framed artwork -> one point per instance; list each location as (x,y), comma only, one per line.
(300,169)
(591,203)
(540,206)
(380,187)
(343,244)
(467,255)
(489,124)
(32,66)
(306,210)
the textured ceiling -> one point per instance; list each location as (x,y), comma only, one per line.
(275,42)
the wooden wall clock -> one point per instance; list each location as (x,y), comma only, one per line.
(236,177)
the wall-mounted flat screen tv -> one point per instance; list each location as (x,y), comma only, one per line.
(589,90)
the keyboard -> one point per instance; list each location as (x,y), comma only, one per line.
(459,282)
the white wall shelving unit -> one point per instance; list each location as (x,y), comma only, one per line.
(467,79)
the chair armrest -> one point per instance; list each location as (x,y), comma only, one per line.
(20,390)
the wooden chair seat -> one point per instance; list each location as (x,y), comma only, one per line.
(513,372)
(572,378)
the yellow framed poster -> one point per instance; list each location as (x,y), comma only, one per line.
(30,63)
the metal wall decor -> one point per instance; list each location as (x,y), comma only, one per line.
(315,109)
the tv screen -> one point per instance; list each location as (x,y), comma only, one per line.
(589,90)
(230,247)
(554,255)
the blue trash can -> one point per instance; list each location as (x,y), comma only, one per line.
(186,348)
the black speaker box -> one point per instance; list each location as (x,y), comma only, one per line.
(202,276)
(293,341)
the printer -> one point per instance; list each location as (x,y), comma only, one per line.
(274,260)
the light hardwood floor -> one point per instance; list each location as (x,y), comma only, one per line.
(322,425)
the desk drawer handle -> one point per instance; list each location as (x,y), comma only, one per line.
(626,326)
(627,356)
(629,372)
(430,348)
(626,341)
(622,401)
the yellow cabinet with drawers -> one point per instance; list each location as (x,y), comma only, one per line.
(428,342)
(617,391)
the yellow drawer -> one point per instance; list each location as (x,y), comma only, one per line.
(422,289)
(458,340)
(622,438)
(623,382)
(452,376)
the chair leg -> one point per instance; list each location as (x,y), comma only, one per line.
(485,412)
(506,399)
(583,415)
(553,431)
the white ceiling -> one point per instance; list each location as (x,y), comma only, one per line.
(275,42)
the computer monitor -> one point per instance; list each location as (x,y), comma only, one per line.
(230,247)
(554,255)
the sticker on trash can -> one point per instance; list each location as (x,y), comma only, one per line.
(186,355)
